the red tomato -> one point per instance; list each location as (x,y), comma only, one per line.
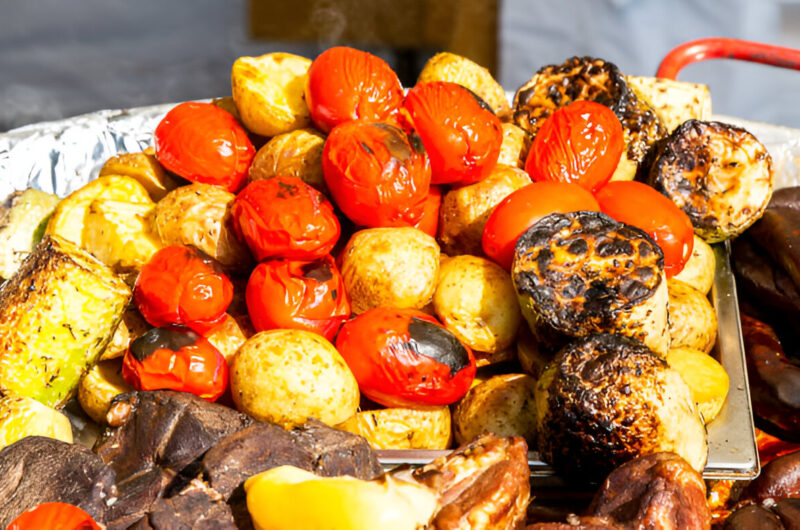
(175,359)
(404,357)
(429,223)
(520,210)
(203,143)
(580,143)
(638,204)
(55,516)
(461,137)
(347,84)
(305,295)
(283,217)
(376,174)
(184,287)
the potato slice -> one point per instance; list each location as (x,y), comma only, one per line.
(99,386)
(269,92)
(144,168)
(22,416)
(402,428)
(692,319)
(705,376)
(120,234)
(699,270)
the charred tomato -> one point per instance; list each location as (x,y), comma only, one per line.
(404,357)
(461,136)
(580,143)
(347,84)
(376,173)
(309,295)
(283,217)
(429,222)
(182,286)
(175,359)
(54,515)
(203,143)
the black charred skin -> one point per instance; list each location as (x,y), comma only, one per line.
(319,271)
(437,343)
(162,338)
(395,141)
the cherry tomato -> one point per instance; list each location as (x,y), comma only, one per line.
(376,174)
(638,204)
(175,359)
(54,515)
(404,357)
(184,287)
(429,223)
(283,217)
(305,295)
(203,143)
(580,143)
(347,84)
(520,210)
(461,137)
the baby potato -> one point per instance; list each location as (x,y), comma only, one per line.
(199,215)
(464,210)
(692,319)
(483,358)
(132,326)
(269,92)
(531,357)
(144,168)
(515,146)
(476,300)
(99,386)
(229,336)
(403,428)
(395,267)
(457,69)
(503,405)
(706,378)
(286,376)
(297,153)
(699,270)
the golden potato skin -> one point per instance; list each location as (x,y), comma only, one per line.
(465,210)
(457,69)
(287,376)
(503,405)
(515,146)
(475,299)
(99,386)
(531,357)
(699,270)
(229,336)
(403,428)
(199,215)
(144,168)
(295,153)
(269,92)
(395,267)
(705,376)
(132,326)
(692,319)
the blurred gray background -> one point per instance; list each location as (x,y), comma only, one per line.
(59,58)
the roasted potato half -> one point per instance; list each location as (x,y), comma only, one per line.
(457,69)
(99,386)
(692,319)
(699,270)
(269,92)
(145,169)
(390,267)
(464,210)
(705,376)
(297,153)
(199,215)
(23,416)
(503,405)
(475,299)
(403,428)
(515,146)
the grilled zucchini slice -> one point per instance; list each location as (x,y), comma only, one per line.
(57,313)
(23,218)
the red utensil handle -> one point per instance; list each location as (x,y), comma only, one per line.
(719,48)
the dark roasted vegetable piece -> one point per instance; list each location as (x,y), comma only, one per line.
(753,517)
(582,273)
(774,378)
(196,506)
(720,175)
(761,277)
(789,512)
(778,232)
(36,470)
(577,523)
(778,479)
(606,399)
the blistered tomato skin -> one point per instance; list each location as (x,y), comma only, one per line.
(638,204)
(347,84)
(429,223)
(175,359)
(283,217)
(520,210)
(54,515)
(203,143)
(181,286)
(462,138)
(376,174)
(309,295)
(580,143)
(404,357)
